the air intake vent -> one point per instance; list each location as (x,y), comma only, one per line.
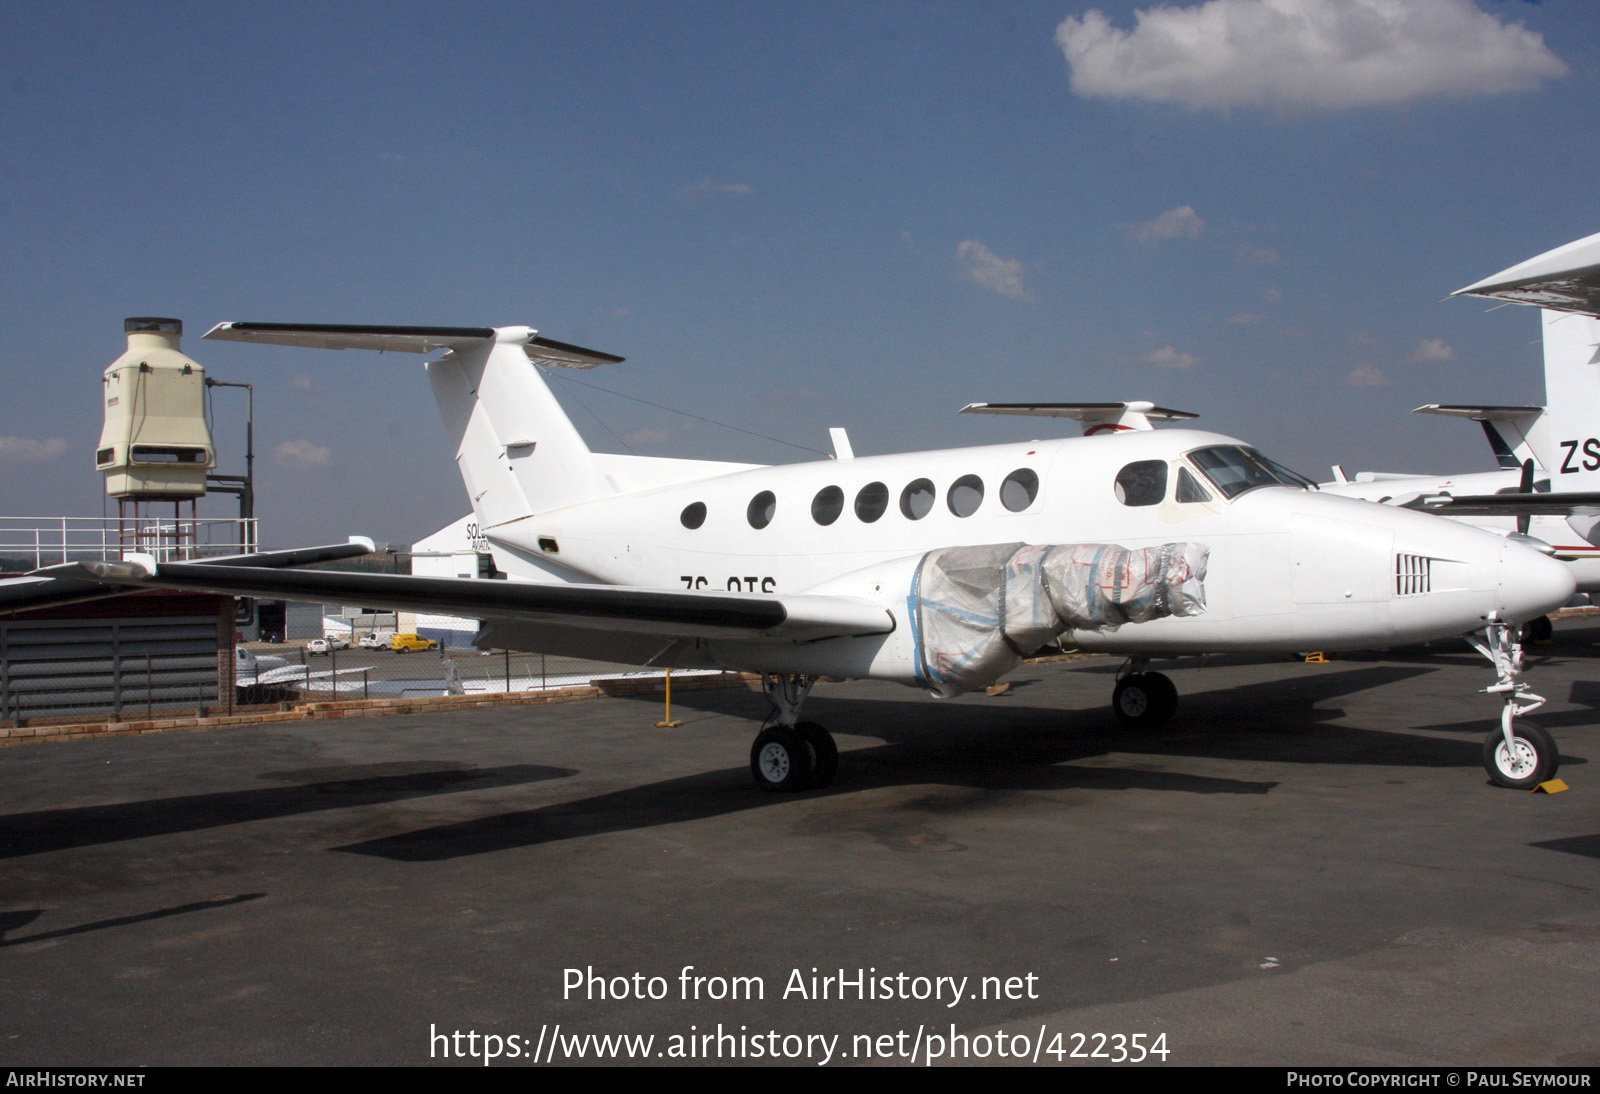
(1412,575)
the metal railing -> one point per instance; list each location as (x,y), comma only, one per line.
(47,541)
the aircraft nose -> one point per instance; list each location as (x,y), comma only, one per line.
(1530,584)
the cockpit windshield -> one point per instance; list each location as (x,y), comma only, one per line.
(1233,469)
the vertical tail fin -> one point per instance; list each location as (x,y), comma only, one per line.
(1572,395)
(517,450)
(1572,390)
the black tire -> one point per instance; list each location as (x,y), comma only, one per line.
(824,753)
(1538,630)
(1167,694)
(403,649)
(1533,760)
(780,760)
(1144,699)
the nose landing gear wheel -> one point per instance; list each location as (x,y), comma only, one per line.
(1144,699)
(1530,759)
(781,760)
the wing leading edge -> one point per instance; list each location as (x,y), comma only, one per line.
(70,583)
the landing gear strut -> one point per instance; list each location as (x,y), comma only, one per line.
(792,755)
(1144,699)
(1520,757)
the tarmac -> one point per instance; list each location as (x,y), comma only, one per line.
(1308,866)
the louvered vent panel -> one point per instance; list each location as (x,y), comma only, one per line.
(1412,575)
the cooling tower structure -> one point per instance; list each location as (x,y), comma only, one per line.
(156,445)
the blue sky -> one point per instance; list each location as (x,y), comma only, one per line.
(786,217)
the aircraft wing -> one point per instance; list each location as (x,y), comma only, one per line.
(69,583)
(385,339)
(597,609)
(1507,505)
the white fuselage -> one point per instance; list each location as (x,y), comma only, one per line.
(1289,569)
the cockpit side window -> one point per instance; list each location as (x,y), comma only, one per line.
(1142,483)
(1189,489)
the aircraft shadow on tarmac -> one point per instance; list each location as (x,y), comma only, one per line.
(1584,694)
(10,921)
(1587,846)
(84,826)
(991,745)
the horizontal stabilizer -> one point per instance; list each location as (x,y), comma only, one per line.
(400,339)
(1096,417)
(605,608)
(1481,413)
(1564,279)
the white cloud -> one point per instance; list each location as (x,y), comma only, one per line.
(302,455)
(1300,55)
(1251,255)
(706,187)
(1002,275)
(1167,357)
(1364,375)
(1245,318)
(1433,349)
(303,383)
(1180,223)
(1273,295)
(28,450)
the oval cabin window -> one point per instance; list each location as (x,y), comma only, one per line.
(916,500)
(965,495)
(762,508)
(827,505)
(1019,489)
(871,502)
(1142,483)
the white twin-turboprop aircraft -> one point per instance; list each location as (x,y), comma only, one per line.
(939,569)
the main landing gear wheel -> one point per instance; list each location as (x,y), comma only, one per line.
(1144,699)
(1528,760)
(781,759)
(824,753)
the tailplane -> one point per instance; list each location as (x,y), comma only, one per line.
(517,450)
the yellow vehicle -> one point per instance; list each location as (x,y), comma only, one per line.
(405,643)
